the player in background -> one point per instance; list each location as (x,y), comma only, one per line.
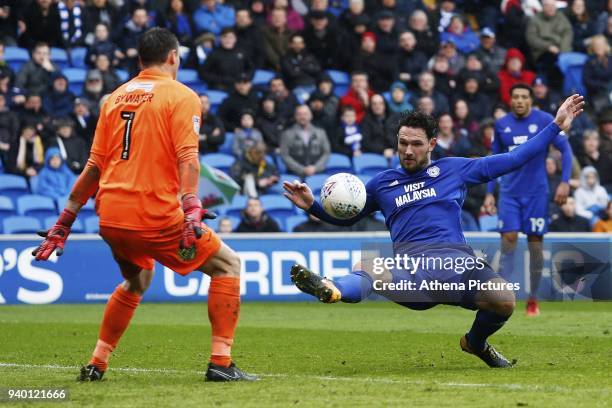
(523,196)
(421,203)
(145,167)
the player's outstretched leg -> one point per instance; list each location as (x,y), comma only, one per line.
(495,308)
(223,312)
(117,316)
(351,288)
(536,263)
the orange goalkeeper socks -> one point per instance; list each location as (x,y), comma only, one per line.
(223,311)
(117,315)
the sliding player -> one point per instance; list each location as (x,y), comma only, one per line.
(145,166)
(523,197)
(421,203)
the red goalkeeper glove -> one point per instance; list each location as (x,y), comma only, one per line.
(192,224)
(56,237)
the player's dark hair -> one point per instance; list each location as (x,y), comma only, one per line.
(418,120)
(522,86)
(154,46)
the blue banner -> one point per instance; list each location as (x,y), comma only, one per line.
(87,272)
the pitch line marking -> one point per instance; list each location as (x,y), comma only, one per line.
(310,377)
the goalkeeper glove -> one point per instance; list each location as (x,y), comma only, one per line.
(192,224)
(56,237)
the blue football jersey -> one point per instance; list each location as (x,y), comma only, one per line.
(510,132)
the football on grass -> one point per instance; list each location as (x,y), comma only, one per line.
(343,196)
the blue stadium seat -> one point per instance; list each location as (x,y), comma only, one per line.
(226,147)
(571,65)
(277,205)
(282,167)
(87,210)
(338,163)
(370,164)
(77,57)
(13,186)
(37,206)
(339,77)
(341,90)
(238,204)
(21,225)
(59,57)
(379,216)
(215,98)
(187,76)
(395,162)
(16,57)
(77,226)
(219,161)
(235,221)
(122,74)
(262,77)
(468,223)
(198,87)
(365,178)
(293,221)
(76,79)
(92,225)
(7,208)
(316,182)
(278,187)
(488,222)
(213,224)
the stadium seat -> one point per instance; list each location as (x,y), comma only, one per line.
(213,224)
(262,77)
(379,216)
(468,223)
(7,208)
(77,57)
(571,65)
(278,187)
(370,164)
(282,167)
(76,79)
(77,226)
(237,205)
(395,162)
(59,57)
(16,57)
(215,98)
(488,222)
(219,161)
(316,182)
(122,74)
(187,76)
(21,225)
(37,206)
(13,186)
(226,147)
(277,205)
(235,221)
(87,210)
(340,90)
(365,178)
(293,221)
(338,163)
(198,87)
(339,77)
(92,225)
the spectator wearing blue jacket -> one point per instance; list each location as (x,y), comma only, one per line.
(462,36)
(212,16)
(55,179)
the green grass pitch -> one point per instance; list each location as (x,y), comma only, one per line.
(308,354)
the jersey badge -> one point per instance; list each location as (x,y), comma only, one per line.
(533,128)
(433,171)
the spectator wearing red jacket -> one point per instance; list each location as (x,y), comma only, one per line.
(359,94)
(513,73)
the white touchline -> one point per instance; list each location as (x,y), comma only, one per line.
(311,377)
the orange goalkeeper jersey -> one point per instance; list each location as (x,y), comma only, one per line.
(142,127)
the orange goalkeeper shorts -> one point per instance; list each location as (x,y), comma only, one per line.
(134,250)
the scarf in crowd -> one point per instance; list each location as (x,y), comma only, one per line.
(38,153)
(65,22)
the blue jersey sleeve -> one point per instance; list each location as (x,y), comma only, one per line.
(477,171)
(370,206)
(564,147)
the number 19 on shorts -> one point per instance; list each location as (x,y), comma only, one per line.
(537,224)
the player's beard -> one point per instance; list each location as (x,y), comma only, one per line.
(417,166)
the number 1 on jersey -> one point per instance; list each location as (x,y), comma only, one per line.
(127,133)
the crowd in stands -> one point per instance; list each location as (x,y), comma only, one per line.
(292,88)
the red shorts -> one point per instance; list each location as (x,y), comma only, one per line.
(134,250)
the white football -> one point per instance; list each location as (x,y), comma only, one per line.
(343,196)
